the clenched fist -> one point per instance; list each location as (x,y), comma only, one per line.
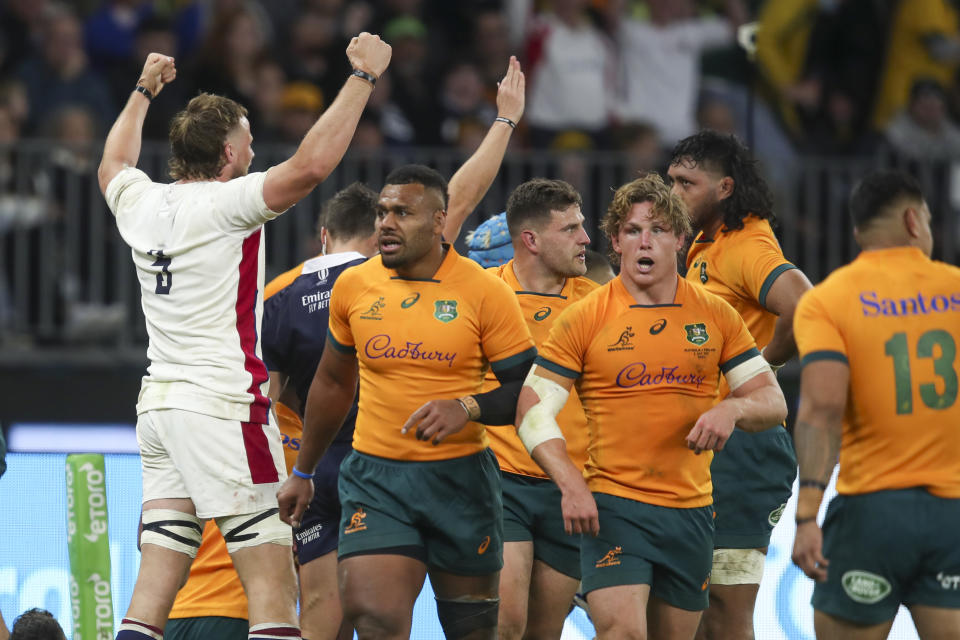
(367,52)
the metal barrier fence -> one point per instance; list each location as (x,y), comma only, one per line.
(66,276)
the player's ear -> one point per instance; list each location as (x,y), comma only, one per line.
(912,222)
(725,188)
(439,220)
(529,240)
(615,243)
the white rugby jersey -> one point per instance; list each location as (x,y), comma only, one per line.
(198,250)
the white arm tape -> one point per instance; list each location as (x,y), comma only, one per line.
(745,371)
(540,422)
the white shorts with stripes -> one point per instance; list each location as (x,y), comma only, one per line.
(226,467)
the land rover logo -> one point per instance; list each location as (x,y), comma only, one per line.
(865,587)
(776,514)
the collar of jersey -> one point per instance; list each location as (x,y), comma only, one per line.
(446,266)
(914,253)
(510,277)
(330,260)
(624,296)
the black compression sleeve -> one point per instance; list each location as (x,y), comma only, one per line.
(499,406)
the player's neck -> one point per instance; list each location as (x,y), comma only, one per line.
(711,227)
(350,246)
(534,276)
(426,267)
(664,292)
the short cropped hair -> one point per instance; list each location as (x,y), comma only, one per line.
(36,624)
(648,188)
(197,136)
(420,174)
(351,213)
(532,201)
(879,190)
(726,154)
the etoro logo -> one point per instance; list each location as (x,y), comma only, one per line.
(865,587)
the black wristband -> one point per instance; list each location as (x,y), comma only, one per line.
(513,125)
(812,484)
(142,89)
(806,520)
(369,77)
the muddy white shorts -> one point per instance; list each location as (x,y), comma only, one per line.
(226,467)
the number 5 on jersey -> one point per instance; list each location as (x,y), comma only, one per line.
(164,277)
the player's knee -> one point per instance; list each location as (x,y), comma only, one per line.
(737,567)
(250,530)
(461,618)
(511,621)
(174,530)
(373,621)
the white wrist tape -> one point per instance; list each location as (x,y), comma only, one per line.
(540,422)
(745,371)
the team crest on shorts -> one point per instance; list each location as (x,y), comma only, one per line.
(357,521)
(445,310)
(697,333)
(610,558)
(776,514)
(865,587)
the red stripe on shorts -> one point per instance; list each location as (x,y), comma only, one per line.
(247,326)
(259,460)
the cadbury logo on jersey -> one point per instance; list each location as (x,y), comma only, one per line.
(381,346)
(872,305)
(635,374)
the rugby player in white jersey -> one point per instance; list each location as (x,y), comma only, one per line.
(209,444)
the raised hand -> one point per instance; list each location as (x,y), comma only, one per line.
(367,52)
(510,92)
(158,71)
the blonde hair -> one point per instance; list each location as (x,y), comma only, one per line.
(197,136)
(651,188)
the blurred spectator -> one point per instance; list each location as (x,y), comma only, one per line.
(413,87)
(266,110)
(21,23)
(660,62)
(923,131)
(924,43)
(236,40)
(783,38)
(301,104)
(642,144)
(61,76)
(491,45)
(716,114)
(570,70)
(86,246)
(368,138)
(315,52)
(110,31)
(13,97)
(464,98)
(470,133)
(155,34)
(846,38)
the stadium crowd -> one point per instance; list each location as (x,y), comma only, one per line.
(660,518)
(832,77)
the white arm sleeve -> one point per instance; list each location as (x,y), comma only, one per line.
(745,371)
(540,422)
